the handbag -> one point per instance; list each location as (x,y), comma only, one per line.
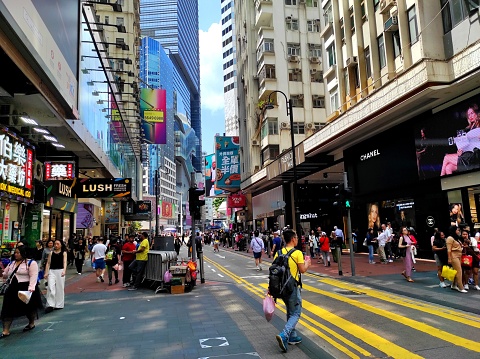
(448,273)
(365,242)
(268,307)
(6,284)
(466,261)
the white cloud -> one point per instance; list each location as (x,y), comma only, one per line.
(211,72)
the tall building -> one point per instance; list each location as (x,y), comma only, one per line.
(174,23)
(229,68)
(401,100)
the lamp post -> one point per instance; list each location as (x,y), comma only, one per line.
(289,105)
(156,203)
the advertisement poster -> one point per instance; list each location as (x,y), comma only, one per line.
(210,168)
(153,109)
(400,213)
(85,217)
(457,217)
(448,142)
(111,212)
(227,172)
(167,209)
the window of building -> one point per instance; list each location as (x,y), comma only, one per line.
(270,152)
(297,100)
(119,65)
(331,58)
(327,15)
(376,4)
(120,21)
(316,76)
(334,100)
(107,20)
(314,50)
(362,9)
(381,51)
(368,64)
(270,72)
(318,101)
(313,25)
(268,45)
(342,30)
(346,81)
(397,47)
(312,3)
(295,74)
(412,25)
(293,49)
(318,125)
(455,11)
(292,24)
(298,128)
(290,2)
(272,124)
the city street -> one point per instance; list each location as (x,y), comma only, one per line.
(223,318)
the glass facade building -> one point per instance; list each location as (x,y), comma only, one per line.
(174,23)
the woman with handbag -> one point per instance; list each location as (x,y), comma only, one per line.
(46,252)
(473,268)
(370,239)
(22,274)
(439,247)
(404,244)
(454,251)
(55,271)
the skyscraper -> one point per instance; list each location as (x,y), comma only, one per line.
(174,23)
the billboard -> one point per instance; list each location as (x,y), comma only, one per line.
(16,167)
(103,187)
(56,170)
(227,173)
(210,167)
(448,142)
(85,215)
(153,109)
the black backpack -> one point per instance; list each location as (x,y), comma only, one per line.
(280,281)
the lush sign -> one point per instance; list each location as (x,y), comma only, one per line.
(16,166)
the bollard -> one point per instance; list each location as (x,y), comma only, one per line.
(339,259)
(200,264)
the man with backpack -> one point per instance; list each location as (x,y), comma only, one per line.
(291,263)
(258,247)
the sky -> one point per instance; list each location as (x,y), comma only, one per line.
(211,72)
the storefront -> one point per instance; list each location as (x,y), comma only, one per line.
(268,209)
(16,185)
(58,212)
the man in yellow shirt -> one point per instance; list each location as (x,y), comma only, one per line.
(293,303)
(141,257)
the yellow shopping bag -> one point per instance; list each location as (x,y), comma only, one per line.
(449,273)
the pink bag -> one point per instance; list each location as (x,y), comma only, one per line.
(268,307)
(167,277)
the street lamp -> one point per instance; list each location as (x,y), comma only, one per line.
(289,105)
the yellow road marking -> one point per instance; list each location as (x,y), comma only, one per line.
(280,306)
(422,327)
(446,313)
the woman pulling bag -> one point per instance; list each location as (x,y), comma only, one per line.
(23,275)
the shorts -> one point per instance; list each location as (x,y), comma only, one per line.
(437,260)
(100,263)
(257,255)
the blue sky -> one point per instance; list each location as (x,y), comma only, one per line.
(211,72)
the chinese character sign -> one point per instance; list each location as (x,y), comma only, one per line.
(227,173)
(153,109)
(210,168)
(16,166)
(59,170)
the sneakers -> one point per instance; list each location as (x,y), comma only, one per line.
(260,267)
(454,287)
(295,340)
(282,342)
(329,263)
(390,261)
(101,279)
(462,291)
(133,288)
(126,285)
(98,279)
(466,287)
(442,285)
(413,268)
(476,287)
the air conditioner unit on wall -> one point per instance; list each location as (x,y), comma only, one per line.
(293,58)
(255,143)
(297,71)
(300,97)
(313,71)
(310,126)
(288,19)
(391,24)
(284,125)
(352,61)
(385,5)
(314,59)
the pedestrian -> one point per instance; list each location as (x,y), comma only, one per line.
(257,248)
(55,271)
(128,255)
(37,253)
(79,254)
(325,248)
(277,242)
(112,258)
(405,243)
(413,247)
(98,258)
(371,239)
(439,247)
(312,243)
(293,302)
(382,238)
(454,252)
(141,257)
(333,243)
(23,275)
(46,251)
(72,240)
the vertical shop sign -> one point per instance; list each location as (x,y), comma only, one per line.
(153,109)
(6,221)
(227,173)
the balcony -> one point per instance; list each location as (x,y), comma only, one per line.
(264,13)
(330,71)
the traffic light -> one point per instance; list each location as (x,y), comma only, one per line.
(343,198)
(194,202)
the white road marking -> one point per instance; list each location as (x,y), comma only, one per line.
(213,270)
(220,275)
(255,276)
